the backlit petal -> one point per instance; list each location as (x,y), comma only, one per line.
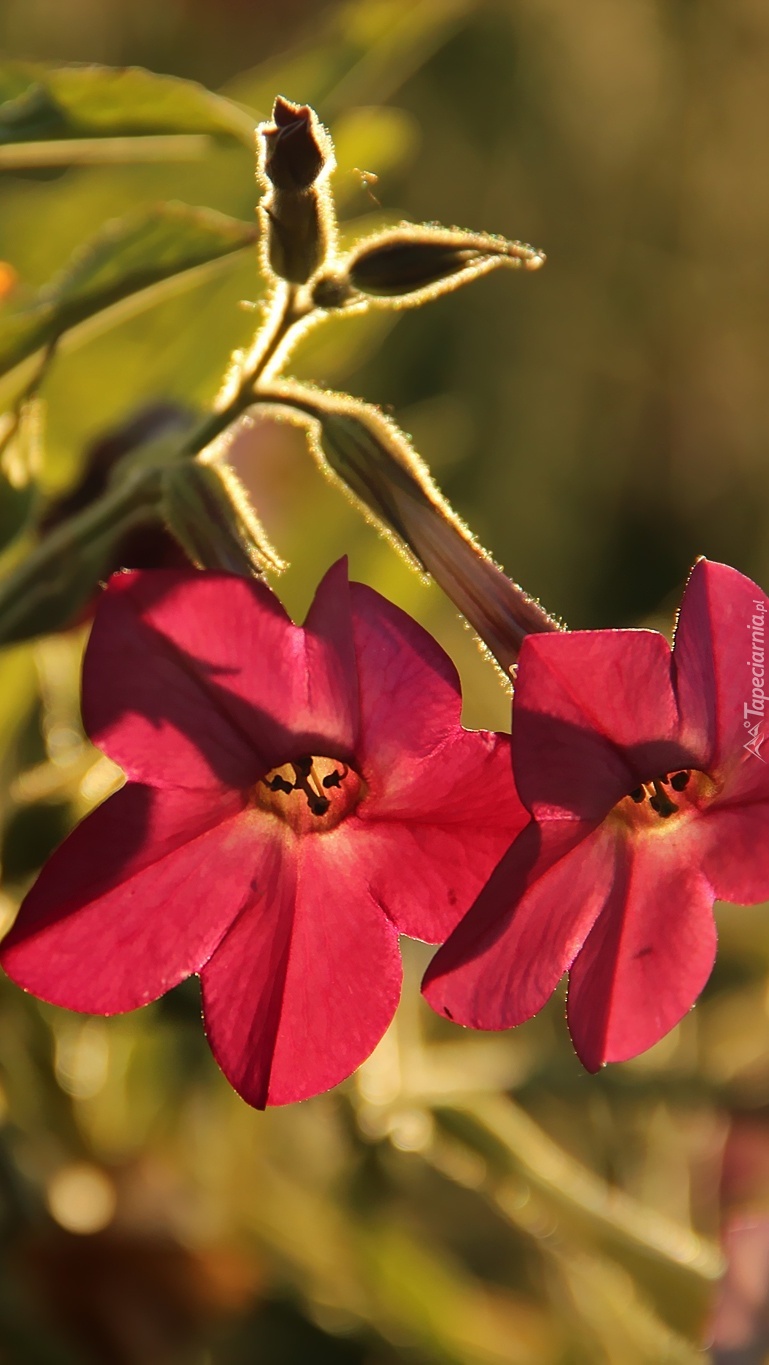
(506,957)
(649,954)
(200,679)
(304,985)
(721,629)
(734,851)
(134,900)
(594,715)
(410,701)
(427,870)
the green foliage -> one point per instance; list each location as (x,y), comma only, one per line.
(127,256)
(42,103)
(20,461)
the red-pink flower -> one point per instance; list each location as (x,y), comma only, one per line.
(296,797)
(648,791)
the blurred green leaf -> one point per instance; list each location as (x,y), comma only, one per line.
(19,462)
(378,138)
(677,1267)
(41,104)
(126,256)
(18,688)
(364,53)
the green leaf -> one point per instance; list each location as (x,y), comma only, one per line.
(19,465)
(40,103)
(126,256)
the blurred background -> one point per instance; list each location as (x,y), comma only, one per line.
(465,1199)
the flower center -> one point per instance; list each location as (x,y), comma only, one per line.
(659,801)
(312,794)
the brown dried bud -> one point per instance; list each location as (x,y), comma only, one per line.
(411,264)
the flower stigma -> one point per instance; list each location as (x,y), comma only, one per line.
(312,793)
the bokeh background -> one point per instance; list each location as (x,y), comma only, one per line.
(465,1199)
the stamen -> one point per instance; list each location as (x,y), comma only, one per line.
(659,791)
(661,802)
(336,778)
(306,804)
(307,782)
(278,784)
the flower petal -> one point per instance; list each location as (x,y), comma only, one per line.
(201,680)
(135,900)
(735,851)
(305,983)
(720,625)
(648,956)
(410,700)
(332,705)
(594,715)
(508,954)
(426,868)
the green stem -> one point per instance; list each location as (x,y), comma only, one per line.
(137,498)
(134,502)
(289,312)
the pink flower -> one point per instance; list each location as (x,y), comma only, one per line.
(296,797)
(648,791)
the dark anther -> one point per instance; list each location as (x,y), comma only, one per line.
(638,795)
(319,805)
(279,784)
(679,780)
(333,780)
(655,804)
(303,766)
(665,780)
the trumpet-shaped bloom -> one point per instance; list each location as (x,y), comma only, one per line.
(643,773)
(296,797)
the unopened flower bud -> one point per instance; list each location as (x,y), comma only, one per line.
(208,511)
(374,461)
(296,157)
(296,147)
(407,264)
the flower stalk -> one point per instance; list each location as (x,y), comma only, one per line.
(374,462)
(367,455)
